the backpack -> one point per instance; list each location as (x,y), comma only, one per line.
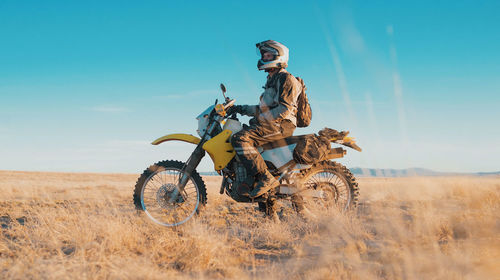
(304,113)
(311,149)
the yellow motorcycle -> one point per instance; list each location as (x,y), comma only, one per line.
(171,192)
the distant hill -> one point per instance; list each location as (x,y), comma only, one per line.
(388,172)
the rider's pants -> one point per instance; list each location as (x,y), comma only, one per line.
(246,141)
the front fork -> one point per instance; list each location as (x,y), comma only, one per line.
(195,157)
(191,165)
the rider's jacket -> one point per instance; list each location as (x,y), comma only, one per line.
(278,101)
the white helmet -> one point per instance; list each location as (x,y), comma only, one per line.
(280,52)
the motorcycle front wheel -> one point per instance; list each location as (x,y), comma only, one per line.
(158,195)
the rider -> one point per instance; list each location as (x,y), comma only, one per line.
(273,119)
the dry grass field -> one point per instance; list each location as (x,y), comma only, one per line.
(84,226)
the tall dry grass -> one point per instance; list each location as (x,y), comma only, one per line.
(84,226)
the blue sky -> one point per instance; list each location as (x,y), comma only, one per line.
(86,86)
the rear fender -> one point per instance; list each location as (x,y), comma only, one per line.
(351,143)
(348,142)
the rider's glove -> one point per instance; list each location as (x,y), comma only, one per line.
(235,109)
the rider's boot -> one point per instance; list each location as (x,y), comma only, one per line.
(266,183)
(268,208)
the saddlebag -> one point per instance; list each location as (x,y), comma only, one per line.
(311,149)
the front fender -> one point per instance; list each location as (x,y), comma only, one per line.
(177,137)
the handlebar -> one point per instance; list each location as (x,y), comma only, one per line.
(229,104)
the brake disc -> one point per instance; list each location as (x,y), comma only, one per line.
(168,196)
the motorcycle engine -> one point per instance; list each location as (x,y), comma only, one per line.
(240,172)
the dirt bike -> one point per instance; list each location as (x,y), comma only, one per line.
(172,192)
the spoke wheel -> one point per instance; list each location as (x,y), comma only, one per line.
(158,195)
(325,186)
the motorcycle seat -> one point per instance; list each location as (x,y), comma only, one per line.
(284,142)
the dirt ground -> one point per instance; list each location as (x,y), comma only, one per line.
(84,226)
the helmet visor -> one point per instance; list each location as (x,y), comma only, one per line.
(266,54)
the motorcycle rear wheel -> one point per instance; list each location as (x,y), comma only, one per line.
(326,185)
(157,194)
